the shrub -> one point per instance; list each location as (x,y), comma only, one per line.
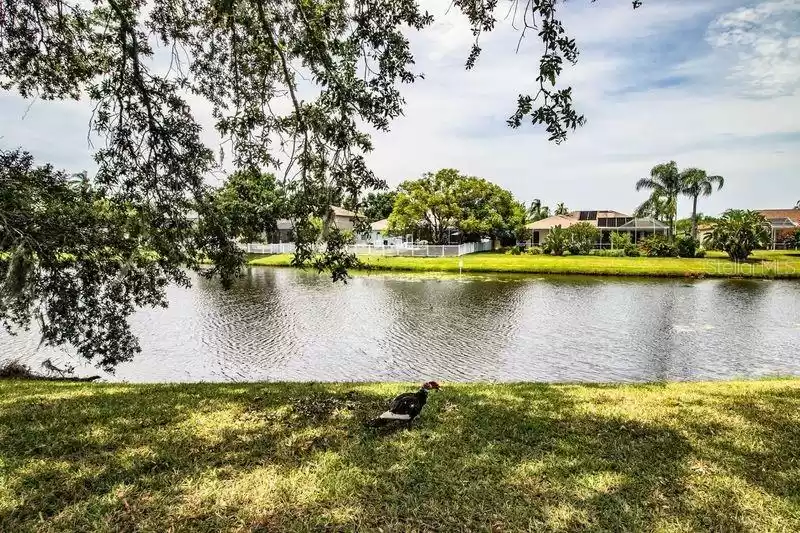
(514,250)
(620,240)
(700,252)
(738,232)
(534,250)
(582,237)
(658,246)
(687,245)
(14,370)
(556,241)
(631,250)
(618,252)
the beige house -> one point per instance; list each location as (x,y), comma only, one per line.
(541,228)
(607,222)
(342,218)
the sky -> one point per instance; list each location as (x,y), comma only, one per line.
(708,83)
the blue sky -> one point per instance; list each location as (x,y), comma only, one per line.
(708,83)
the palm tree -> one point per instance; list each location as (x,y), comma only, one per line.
(697,183)
(656,206)
(537,211)
(665,182)
(561,209)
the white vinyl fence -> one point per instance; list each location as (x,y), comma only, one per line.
(274,248)
(405,250)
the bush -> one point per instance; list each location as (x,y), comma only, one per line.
(620,241)
(14,370)
(739,232)
(556,241)
(700,252)
(514,250)
(658,246)
(619,252)
(534,250)
(687,246)
(631,250)
(582,238)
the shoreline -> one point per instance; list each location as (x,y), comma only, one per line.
(299,457)
(767,265)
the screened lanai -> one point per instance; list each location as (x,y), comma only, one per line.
(641,228)
(778,226)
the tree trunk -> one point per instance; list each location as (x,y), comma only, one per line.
(694,218)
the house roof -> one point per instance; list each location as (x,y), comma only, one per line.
(564,221)
(599,214)
(380,225)
(792,214)
(643,223)
(342,212)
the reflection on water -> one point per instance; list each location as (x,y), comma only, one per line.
(282,324)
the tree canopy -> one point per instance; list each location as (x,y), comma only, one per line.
(378,205)
(251,202)
(294,88)
(447,200)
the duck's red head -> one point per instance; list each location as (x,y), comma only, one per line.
(428,385)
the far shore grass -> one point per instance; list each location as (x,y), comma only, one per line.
(762,264)
(483,457)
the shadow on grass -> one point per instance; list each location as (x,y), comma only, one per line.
(268,457)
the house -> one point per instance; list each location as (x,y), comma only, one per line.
(783,223)
(607,222)
(541,228)
(342,218)
(377,235)
(339,217)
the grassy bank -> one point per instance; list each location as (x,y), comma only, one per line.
(270,457)
(763,264)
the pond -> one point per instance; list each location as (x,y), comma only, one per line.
(284,324)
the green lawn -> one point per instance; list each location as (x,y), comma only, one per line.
(296,457)
(763,264)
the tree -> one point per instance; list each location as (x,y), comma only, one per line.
(426,204)
(251,202)
(537,211)
(582,237)
(487,210)
(556,240)
(666,183)
(378,205)
(684,225)
(246,59)
(696,183)
(738,232)
(446,200)
(561,209)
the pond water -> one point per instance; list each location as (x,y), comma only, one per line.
(284,324)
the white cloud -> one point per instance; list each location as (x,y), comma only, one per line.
(764,42)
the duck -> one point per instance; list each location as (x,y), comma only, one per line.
(405,407)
